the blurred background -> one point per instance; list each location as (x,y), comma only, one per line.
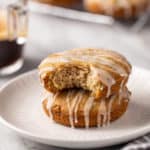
(56,25)
(30,30)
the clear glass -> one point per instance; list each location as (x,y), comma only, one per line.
(13,35)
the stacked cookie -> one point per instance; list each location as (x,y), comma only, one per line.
(87,87)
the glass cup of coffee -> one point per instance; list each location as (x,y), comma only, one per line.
(13,34)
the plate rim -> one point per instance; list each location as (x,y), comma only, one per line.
(51,141)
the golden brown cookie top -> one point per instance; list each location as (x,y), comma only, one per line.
(95,70)
(92,57)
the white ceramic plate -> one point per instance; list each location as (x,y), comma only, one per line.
(20,110)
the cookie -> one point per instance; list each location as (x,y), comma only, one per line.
(102,72)
(76,108)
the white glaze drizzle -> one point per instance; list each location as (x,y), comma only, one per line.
(126,94)
(121,91)
(71,57)
(80,97)
(103,111)
(43,75)
(50,99)
(116,60)
(46,66)
(75,101)
(87,109)
(99,114)
(50,60)
(49,104)
(111,100)
(69,96)
(116,67)
(103,55)
(46,69)
(105,77)
(102,60)
(44,95)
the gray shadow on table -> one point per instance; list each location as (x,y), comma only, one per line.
(29,64)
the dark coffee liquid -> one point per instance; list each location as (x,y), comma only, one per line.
(10,51)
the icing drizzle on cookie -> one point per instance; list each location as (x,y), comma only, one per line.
(70,106)
(87,109)
(102,64)
(80,97)
(105,77)
(73,100)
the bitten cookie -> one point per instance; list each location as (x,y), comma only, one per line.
(102,72)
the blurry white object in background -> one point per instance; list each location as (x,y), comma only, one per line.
(70,13)
(6,2)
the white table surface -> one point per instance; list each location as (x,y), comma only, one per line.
(48,34)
